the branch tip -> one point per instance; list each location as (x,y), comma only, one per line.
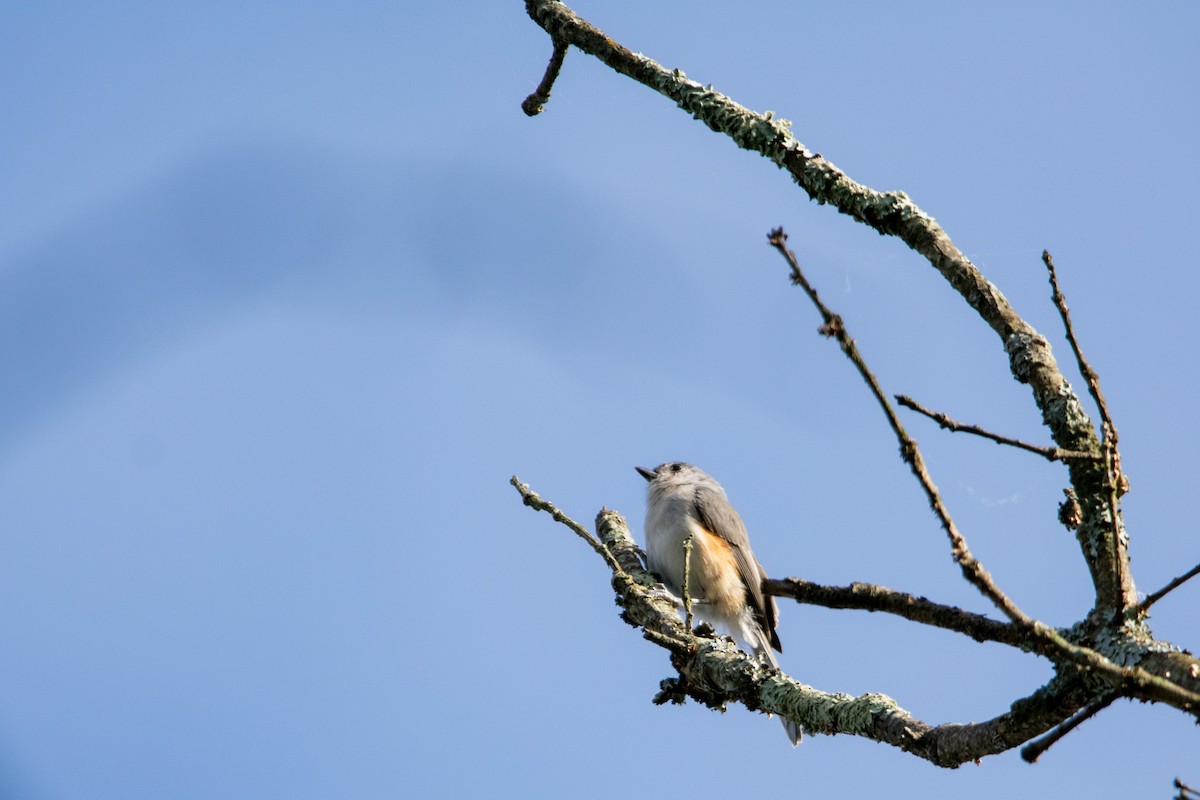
(974,573)
(1090,376)
(892,213)
(1151,599)
(1034,750)
(535,103)
(535,501)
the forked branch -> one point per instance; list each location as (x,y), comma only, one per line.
(714,672)
(1109,654)
(1044,640)
(833,326)
(894,214)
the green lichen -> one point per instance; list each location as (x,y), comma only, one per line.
(824,712)
(1128,642)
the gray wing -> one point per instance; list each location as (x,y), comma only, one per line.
(715,513)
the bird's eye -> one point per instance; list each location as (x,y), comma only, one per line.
(676,467)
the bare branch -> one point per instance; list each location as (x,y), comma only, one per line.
(1185,792)
(1115,483)
(871,597)
(1089,375)
(1034,750)
(1044,640)
(945,421)
(1121,657)
(972,570)
(894,214)
(535,501)
(1151,599)
(535,103)
(714,672)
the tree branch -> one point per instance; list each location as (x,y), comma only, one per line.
(714,671)
(535,103)
(1034,750)
(892,214)
(535,501)
(1044,640)
(945,421)
(1116,484)
(871,597)
(972,570)
(1109,652)
(1151,599)
(1090,375)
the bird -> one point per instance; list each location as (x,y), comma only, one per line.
(724,577)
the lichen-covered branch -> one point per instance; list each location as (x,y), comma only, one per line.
(1111,653)
(1112,541)
(714,672)
(893,213)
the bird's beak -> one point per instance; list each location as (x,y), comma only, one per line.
(648,474)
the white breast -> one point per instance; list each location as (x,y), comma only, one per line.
(667,526)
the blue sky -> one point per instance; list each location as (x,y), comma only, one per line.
(290,291)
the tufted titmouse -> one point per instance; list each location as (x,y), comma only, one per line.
(725,579)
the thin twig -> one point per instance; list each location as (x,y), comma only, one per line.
(1186,792)
(1117,482)
(712,671)
(945,421)
(1151,599)
(535,501)
(1052,644)
(1089,375)
(687,589)
(892,214)
(833,326)
(534,104)
(1034,750)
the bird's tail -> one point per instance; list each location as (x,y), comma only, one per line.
(756,639)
